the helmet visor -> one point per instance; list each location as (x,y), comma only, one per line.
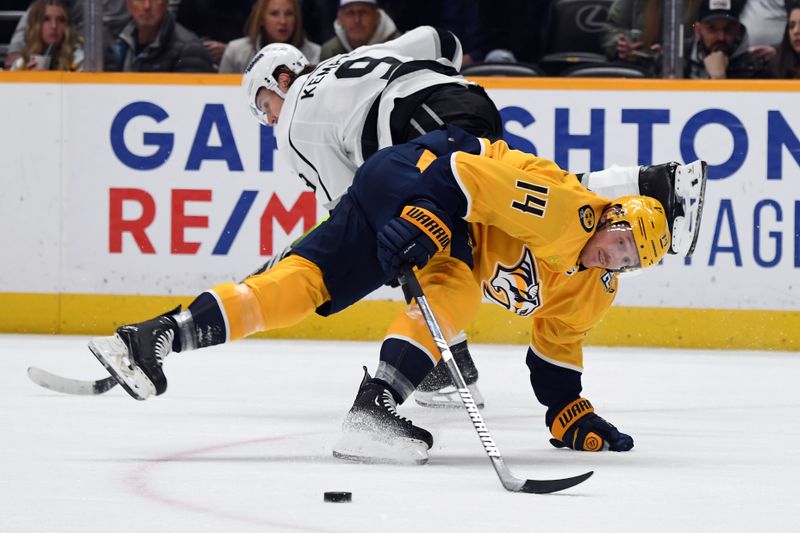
(260,115)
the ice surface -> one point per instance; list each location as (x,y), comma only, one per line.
(242,441)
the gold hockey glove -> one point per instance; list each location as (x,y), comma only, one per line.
(577,426)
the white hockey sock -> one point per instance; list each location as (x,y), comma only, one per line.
(396,380)
(613,182)
(186,330)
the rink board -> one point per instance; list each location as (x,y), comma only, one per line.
(123,193)
(368,320)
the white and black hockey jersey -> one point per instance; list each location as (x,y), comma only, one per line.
(339,114)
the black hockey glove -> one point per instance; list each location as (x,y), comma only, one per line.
(576,426)
(420,231)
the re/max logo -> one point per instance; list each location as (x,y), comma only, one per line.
(138,228)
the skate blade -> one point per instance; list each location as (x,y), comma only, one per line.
(447,397)
(363,447)
(113,355)
(690,186)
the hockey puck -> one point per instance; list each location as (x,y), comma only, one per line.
(338,497)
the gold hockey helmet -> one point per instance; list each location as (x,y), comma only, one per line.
(647,221)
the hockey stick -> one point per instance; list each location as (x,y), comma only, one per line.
(45,379)
(509,481)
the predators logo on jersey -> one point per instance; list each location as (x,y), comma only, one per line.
(515,288)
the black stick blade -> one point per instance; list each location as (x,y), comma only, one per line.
(533,486)
(104,384)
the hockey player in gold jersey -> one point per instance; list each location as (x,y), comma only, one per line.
(479,220)
(329,121)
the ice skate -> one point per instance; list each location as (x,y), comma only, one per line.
(437,389)
(134,354)
(690,186)
(373,432)
(683,200)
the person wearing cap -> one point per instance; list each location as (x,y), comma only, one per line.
(358,22)
(478,220)
(719,47)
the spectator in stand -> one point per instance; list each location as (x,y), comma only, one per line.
(270,21)
(765,21)
(217,22)
(787,62)
(719,48)
(358,22)
(154,42)
(51,42)
(633,30)
(115,17)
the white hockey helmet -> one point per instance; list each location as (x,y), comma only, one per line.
(261,73)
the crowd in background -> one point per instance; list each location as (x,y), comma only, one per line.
(724,38)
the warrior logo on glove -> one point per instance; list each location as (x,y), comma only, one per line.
(412,238)
(429,224)
(577,426)
(571,412)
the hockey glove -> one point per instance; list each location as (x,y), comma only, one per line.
(420,231)
(576,426)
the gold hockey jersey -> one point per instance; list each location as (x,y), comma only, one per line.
(529,221)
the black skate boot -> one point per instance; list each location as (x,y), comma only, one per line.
(437,389)
(373,432)
(681,190)
(134,355)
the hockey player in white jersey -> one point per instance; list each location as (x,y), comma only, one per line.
(330,118)
(334,117)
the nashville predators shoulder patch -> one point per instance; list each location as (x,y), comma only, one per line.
(586,215)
